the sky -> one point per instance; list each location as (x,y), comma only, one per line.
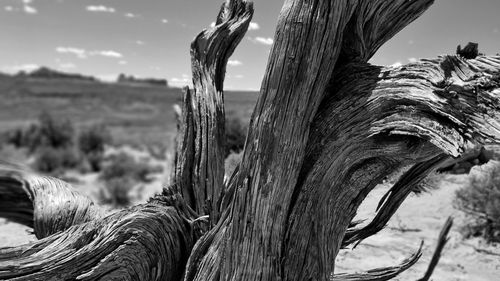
(151,38)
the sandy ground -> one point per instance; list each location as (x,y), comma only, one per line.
(424,215)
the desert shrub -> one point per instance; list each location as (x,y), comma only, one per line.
(116,192)
(92,142)
(123,165)
(55,160)
(47,132)
(51,132)
(480,200)
(120,174)
(236,132)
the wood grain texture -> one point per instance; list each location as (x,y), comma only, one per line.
(327,128)
(442,240)
(46,204)
(201,142)
(146,242)
(371,124)
(380,274)
(256,245)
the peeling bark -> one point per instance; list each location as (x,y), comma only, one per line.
(326,129)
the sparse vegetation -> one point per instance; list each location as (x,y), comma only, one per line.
(480,200)
(236,131)
(55,161)
(92,142)
(47,132)
(120,174)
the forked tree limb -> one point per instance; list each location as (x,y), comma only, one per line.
(46,204)
(201,144)
(302,64)
(326,129)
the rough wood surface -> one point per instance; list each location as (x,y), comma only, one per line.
(201,142)
(326,129)
(442,240)
(146,242)
(380,274)
(46,204)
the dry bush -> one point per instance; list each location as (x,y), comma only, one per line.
(480,200)
(236,131)
(120,174)
(92,142)
(55,161)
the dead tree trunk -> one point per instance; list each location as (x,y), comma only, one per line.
(327,128)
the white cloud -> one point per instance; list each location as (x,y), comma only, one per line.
(131,15)
(80,53)
(101,8)
(164,20)
(122,62)
(234,62)
(139,42)
(254,26)
(107,53)
(261,40)
(30,10)
(396,64)
(26,8)
(28,67)
(412,60)
(83,54)
(238,76)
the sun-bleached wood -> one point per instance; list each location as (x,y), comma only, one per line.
(327,127)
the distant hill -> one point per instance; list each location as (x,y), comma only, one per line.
(122,78)
(137,113)
(47,73)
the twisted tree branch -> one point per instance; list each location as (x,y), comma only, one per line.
(46,204)
(201,143)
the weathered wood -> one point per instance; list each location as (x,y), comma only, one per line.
(256,229)
(326,129)
(380,274)
(393,199)
(46,204)
(201,145)
(372,123)
(146,242)
(442,240)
